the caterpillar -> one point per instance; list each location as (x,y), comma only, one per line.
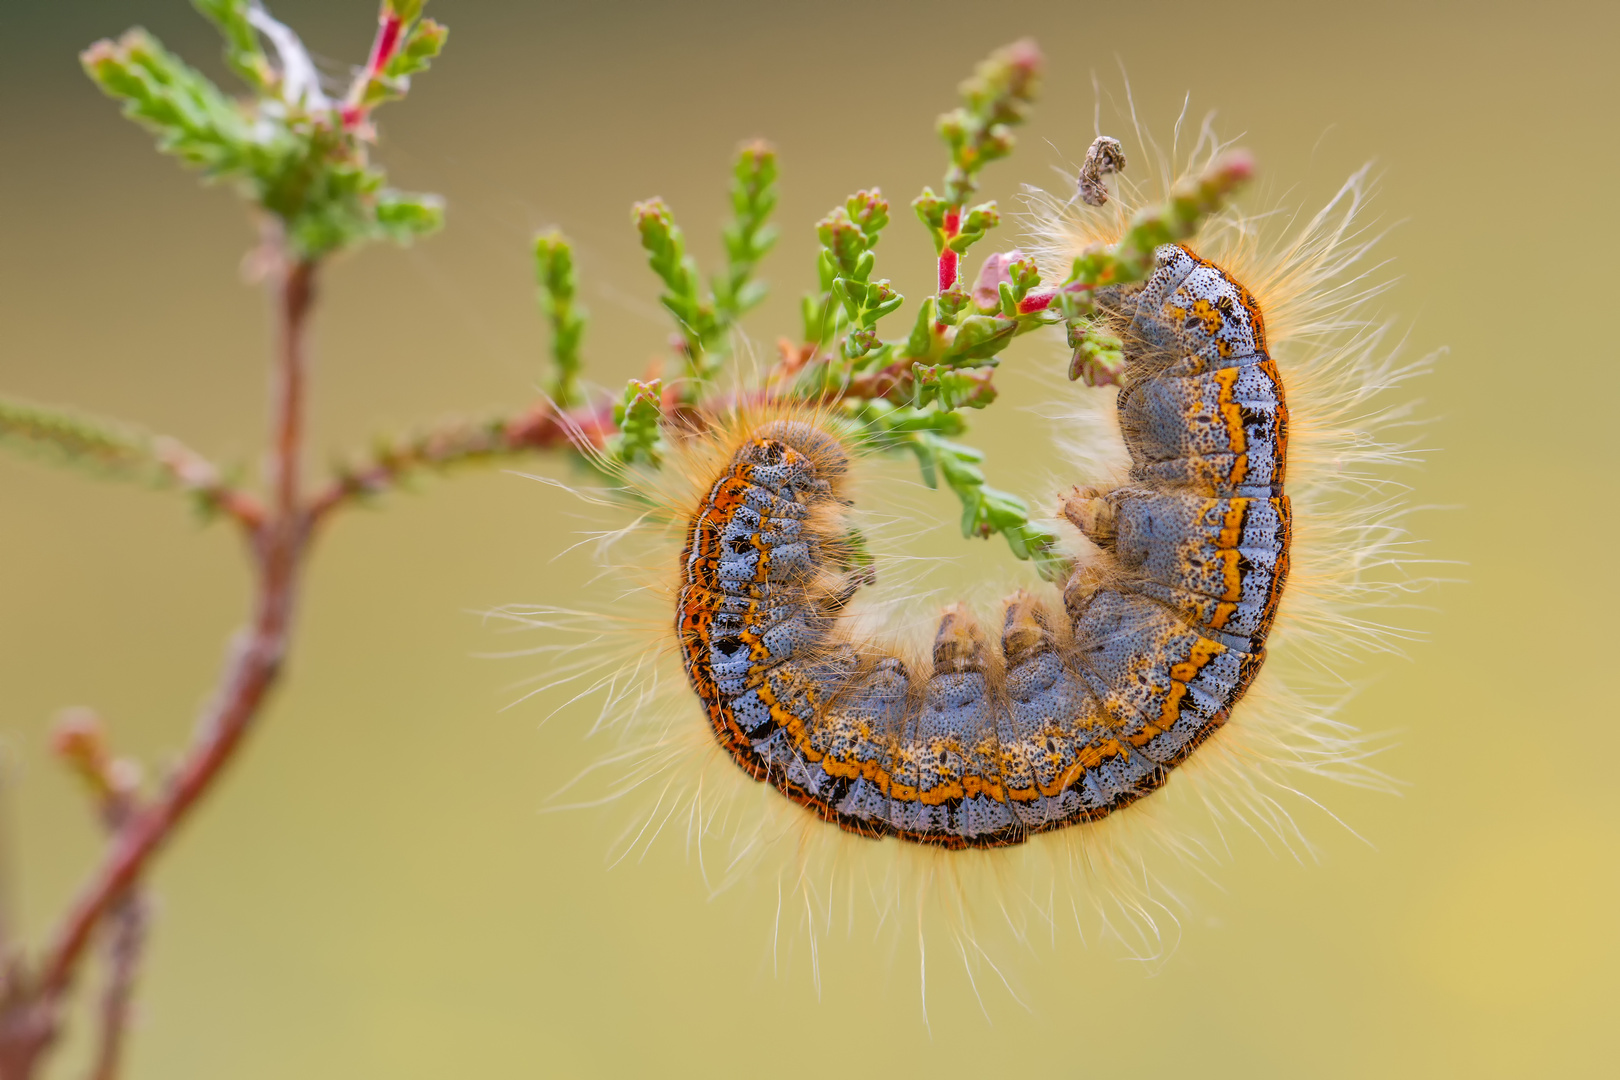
(1221,516)
(1085,707)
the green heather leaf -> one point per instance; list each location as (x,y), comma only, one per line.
(404,217)
(421,47)
(191,118)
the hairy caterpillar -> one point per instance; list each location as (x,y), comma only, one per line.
(1334,540)
(1077,715)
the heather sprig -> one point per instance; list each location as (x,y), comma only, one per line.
(914,388)
(995,99)
(850,303)
(986,510)
(104,448)
(558,282)
(405,45)
(749,235)
(244,54)
(192,118)
(637,415)
(114,450)
(684,296)
(292,151)
(927,434)
(948,333)
(888,427)
(703,316)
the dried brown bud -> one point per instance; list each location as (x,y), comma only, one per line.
(1105,156)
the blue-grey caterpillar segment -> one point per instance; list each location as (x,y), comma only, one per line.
(1082,709)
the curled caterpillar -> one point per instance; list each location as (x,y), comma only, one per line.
(1084,709)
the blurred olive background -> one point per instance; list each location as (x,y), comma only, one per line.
(373,890)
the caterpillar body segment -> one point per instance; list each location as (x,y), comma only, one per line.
(1069,713)
(1203,405)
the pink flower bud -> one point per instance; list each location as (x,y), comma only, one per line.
(1036,300)
(949,269)
(987,289)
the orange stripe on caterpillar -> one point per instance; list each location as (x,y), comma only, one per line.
(1163,633)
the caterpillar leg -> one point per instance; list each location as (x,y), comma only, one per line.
(1090,510)
(1051,718)
(955,750)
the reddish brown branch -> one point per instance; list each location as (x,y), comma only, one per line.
(540,428)
(27,1023)
(892,383)
(281,533)
(295,294)
(196,474)
(129,918)
(254,665)
(251,671)
(117,785)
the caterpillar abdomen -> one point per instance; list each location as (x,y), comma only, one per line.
(1080,710)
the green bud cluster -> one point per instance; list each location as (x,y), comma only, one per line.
(850,304)
(953,388)
(637,415)
(1099,357)
(969,228)
(975,223)
(1022,277)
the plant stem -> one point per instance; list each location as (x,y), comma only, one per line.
(129,918)
(124,944)
(256,655)
(198,475)
(295,294)
(542,427)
